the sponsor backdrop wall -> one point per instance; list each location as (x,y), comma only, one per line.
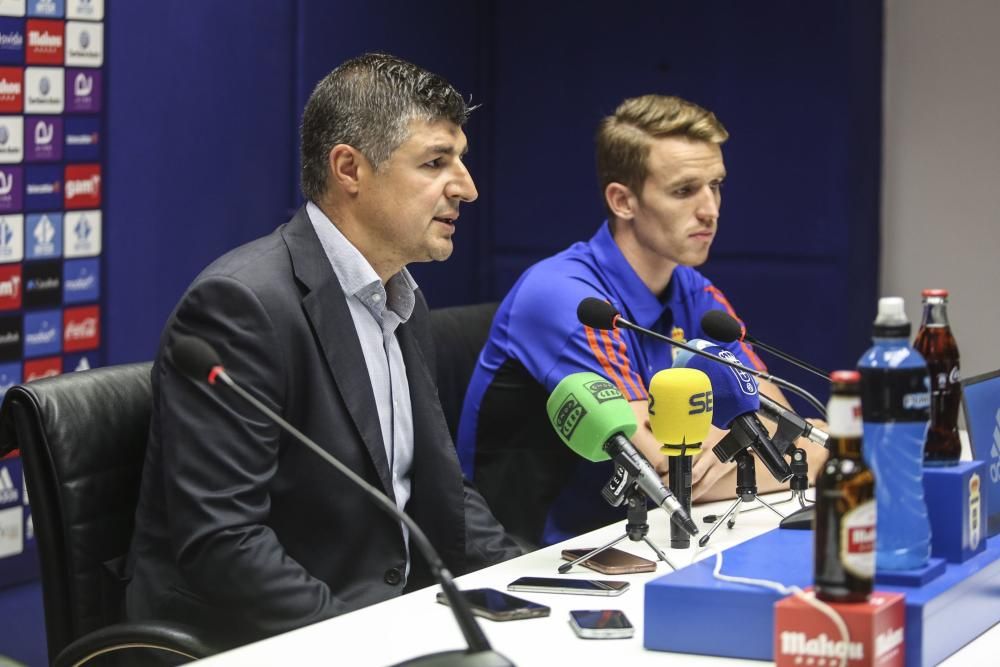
(51,216)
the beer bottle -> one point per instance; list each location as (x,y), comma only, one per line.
(937,345)
(844,549)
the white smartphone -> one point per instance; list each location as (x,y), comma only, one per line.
(570,586)
(600,624)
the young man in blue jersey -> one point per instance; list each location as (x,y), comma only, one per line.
(659,161)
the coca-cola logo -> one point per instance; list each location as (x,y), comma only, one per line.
(81,329)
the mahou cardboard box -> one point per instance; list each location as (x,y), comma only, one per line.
(805,636)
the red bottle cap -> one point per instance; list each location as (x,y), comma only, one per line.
(935,292)
(845,377)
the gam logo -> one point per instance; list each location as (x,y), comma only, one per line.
(602,390)
(568,416)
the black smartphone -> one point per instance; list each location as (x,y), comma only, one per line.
(571,586)
(497,605)
(600,624)
(611,561)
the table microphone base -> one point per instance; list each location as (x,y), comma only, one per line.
(459,658)
(801,519)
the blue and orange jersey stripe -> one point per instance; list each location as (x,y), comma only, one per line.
(615,362)
(751,355)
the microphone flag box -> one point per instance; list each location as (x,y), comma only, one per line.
(690,611)
(956,504)
(805,636)
(687,611)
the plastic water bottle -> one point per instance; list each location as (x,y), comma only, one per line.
(895,405)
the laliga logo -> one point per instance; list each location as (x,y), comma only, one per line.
(44,86)
(6,235)
(6,182)
(8,492)
(44,133)
(83,85)
(82,229)
(45,231)
(747,383)
(84,39)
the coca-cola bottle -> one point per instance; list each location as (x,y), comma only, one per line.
(937,345)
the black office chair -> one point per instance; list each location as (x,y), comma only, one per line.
(459,335)
(82,438)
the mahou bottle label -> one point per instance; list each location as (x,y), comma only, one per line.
(857,540)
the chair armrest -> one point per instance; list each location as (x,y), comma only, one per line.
(170,638)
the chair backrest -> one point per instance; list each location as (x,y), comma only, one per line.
(82,438)
(459,334)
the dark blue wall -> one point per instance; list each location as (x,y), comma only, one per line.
(204,104)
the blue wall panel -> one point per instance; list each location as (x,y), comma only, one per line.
(200,112)
(205,102)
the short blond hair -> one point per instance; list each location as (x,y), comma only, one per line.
(625,137)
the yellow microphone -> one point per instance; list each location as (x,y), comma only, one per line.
(680,415)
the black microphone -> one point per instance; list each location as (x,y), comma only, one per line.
(723,327)
(598,314)
(790,423)
(198,361)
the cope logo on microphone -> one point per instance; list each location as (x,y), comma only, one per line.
(603,391)
(569,415)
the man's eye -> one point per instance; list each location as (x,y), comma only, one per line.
(716,185)
(683,192)
(434,164)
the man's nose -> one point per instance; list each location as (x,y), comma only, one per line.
(462,186)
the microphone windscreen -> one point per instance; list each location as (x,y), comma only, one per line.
(585,409)
(597,314)
(721,326)
(681,359)
(680,409)
(735,392)
(193,357)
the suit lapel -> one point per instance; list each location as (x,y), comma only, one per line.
(326,308)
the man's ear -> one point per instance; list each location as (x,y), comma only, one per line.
(346,165)
(621,201)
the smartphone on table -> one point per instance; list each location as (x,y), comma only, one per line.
(496,605)
(600,624)
(611,561)
(570,586)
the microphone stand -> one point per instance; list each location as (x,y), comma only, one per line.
(479,653)
(636,529)
(728,449)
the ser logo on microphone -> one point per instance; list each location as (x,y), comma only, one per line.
(700,403)
(568,416)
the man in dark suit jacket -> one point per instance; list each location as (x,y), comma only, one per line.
(242,531)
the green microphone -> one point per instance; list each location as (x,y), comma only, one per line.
(594,420)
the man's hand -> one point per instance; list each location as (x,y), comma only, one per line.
(645,442)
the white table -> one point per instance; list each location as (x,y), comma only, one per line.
(415,624)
